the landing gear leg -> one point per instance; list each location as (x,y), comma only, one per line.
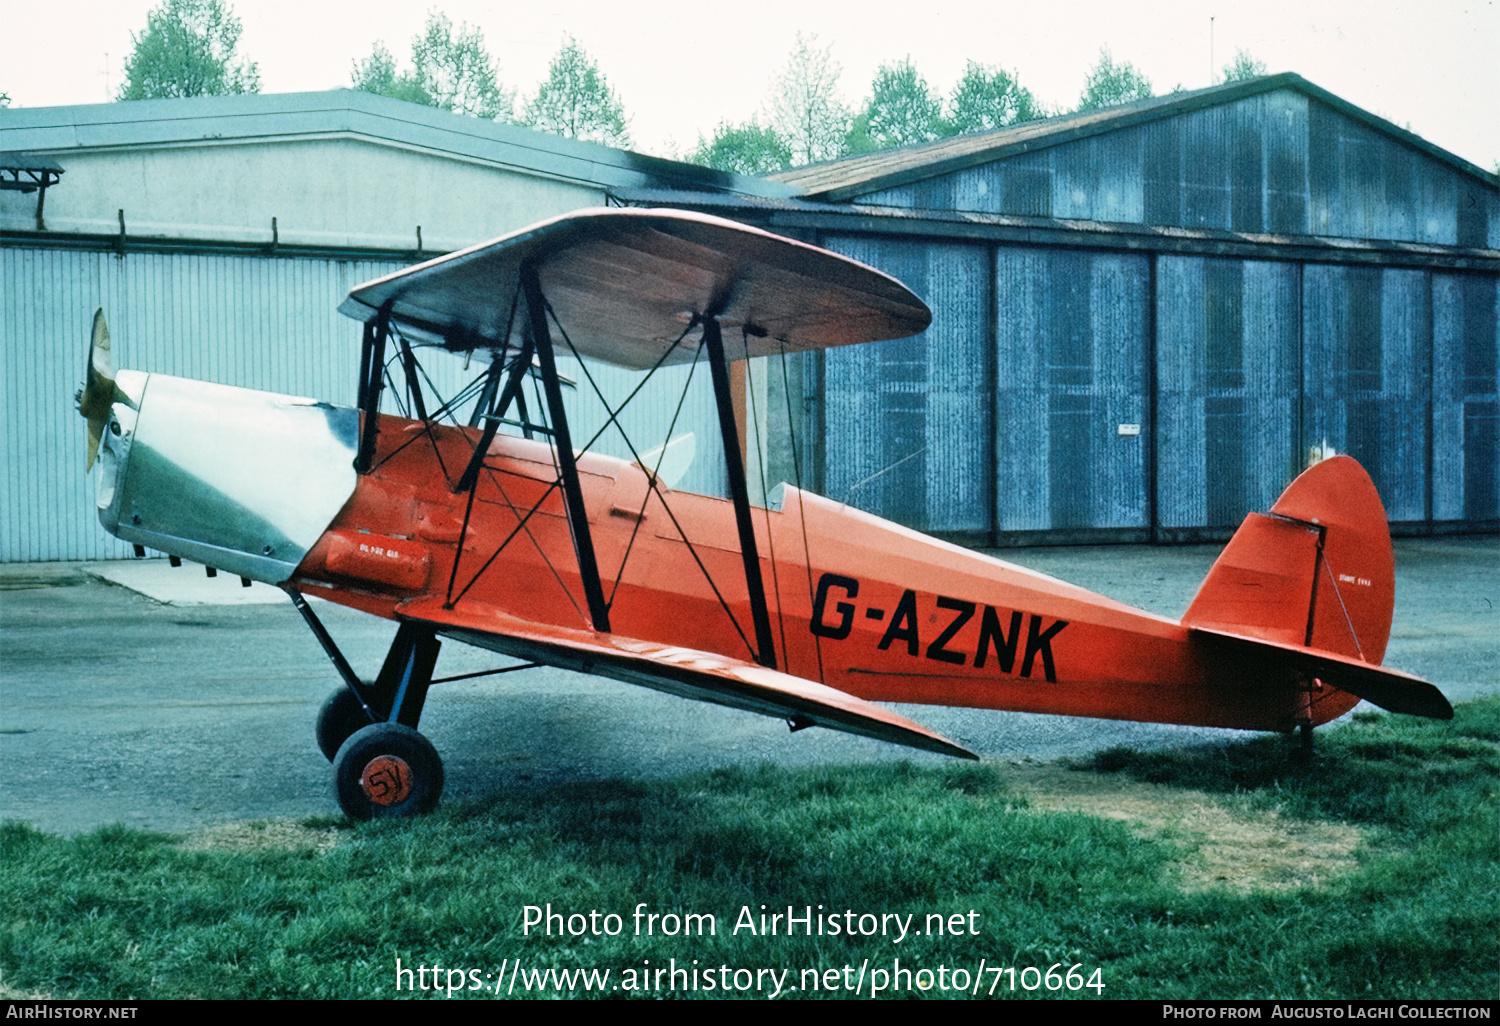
(382,768)
(401,689)
(388,770)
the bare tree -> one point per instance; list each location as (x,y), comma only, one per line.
(805,109)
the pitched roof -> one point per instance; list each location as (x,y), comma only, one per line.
(846,178)
(275,117)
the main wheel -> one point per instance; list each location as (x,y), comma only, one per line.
(387,771)
(339,718)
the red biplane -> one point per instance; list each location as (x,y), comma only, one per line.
(530,545)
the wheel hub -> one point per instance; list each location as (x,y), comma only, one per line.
(386,780)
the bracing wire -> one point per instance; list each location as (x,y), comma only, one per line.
(656,487)
(453,599)
(613,414)
(1333,580)
(654,473)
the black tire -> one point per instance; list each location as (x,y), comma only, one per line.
(339,718)
(387,771)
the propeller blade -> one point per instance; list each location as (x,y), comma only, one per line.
(98,392)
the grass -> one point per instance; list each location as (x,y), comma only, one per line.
(323,909)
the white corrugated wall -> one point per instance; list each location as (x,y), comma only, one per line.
(255,321)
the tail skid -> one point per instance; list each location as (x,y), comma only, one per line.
(1309,589)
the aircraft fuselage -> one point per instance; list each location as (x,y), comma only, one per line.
(857,603)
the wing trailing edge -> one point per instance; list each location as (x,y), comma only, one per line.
(688,673)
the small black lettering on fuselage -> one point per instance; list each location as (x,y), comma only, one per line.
(999,631)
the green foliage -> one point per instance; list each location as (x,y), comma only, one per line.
(452,72)
(1109,84)
(902,109)
(576,101)
(188,49)
(377,74)
(1243,67)
(805,109)
(987,98)
(747,149)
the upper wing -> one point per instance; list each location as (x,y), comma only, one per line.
(678,671)
(626,283)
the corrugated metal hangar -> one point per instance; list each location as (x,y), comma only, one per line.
(1146,319)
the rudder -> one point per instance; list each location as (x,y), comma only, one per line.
(1317,571)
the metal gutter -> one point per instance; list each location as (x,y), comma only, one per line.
(122,244)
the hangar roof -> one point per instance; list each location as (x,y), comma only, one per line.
(846,178)
(148,124)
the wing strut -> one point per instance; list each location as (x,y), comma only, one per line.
(735,464)
(497,410)
(485,410)
(371,378)
(578,521)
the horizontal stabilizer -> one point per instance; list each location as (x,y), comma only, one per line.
(1390,689)
(685,672)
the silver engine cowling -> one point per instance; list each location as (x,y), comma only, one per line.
(233,478)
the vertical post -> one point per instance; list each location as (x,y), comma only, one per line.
(578,521)
(1153,406)
(735,464)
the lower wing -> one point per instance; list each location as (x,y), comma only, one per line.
(688,673)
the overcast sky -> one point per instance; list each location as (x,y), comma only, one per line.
(680,67)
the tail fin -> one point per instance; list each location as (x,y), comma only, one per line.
(1316,575)
(1316,571)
